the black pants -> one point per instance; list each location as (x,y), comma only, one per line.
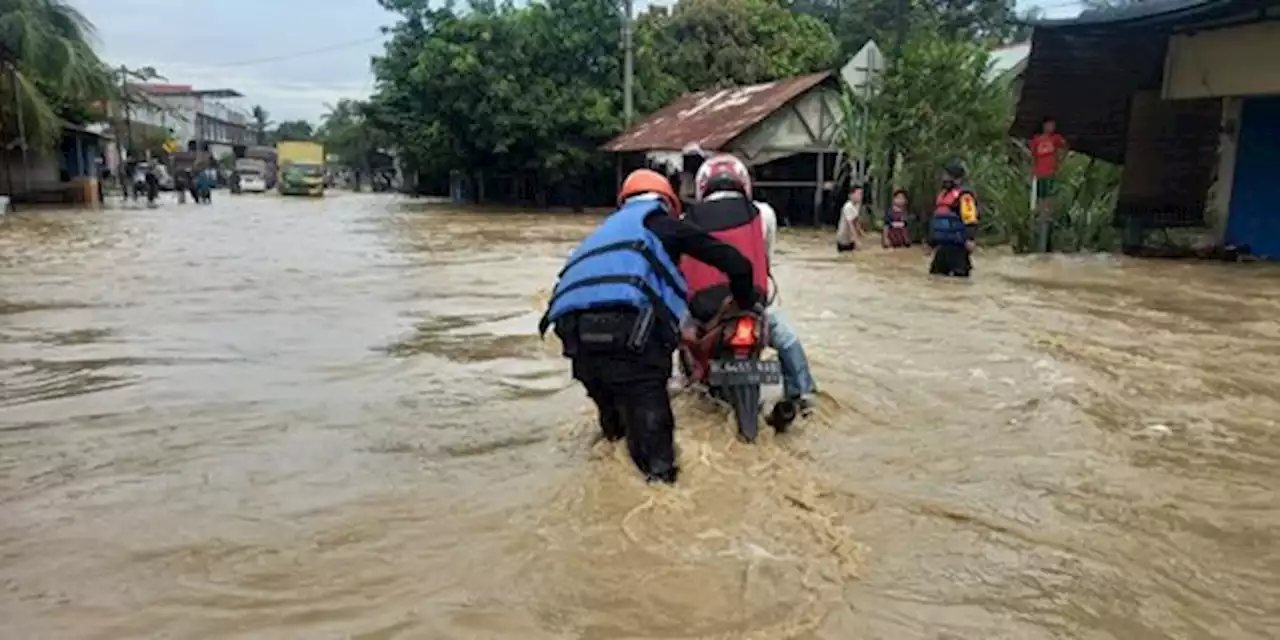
(951,260)
(629,389)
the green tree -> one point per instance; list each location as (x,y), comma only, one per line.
(350,132)
(51,69)
(294,130)
(710,43)
(502,89)
(530,92)
(855,21)
(261,121)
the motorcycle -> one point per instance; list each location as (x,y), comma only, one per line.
(724,356)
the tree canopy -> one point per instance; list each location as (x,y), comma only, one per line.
(533,89)
(350,131)
(293,130)
(53,73)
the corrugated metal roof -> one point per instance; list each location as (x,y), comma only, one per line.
(1149,12)
(1006,59)
(713,118)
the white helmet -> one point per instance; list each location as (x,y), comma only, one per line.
(722,172)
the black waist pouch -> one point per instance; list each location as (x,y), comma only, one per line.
(606,331)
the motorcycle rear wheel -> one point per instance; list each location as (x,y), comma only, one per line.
(745,402)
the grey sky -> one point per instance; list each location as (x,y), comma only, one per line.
(200,45)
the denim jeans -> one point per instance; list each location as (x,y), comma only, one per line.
(796,379)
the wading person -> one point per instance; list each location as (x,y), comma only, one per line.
(726,208)
(181,183)
(1048,148)
(153,185)
(139,181)
(193,183)
(617,308)
(896,233)
(954,226)
(849,228)
(204,186)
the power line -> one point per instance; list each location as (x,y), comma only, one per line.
(299,54)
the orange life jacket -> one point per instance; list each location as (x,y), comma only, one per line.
(948,227)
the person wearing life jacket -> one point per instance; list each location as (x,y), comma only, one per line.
(896,234)
(725,208)
(617,307)
(954,225)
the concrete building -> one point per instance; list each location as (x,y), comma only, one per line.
(1186,95)
(47,175)
(197,119)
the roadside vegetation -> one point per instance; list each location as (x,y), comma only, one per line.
(523,95)
(51,73)
(939,103)
(528,92)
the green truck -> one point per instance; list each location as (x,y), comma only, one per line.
(301,168)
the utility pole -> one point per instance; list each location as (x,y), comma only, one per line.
(900,24)
(628,62)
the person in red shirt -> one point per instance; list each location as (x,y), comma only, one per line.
(1048,148)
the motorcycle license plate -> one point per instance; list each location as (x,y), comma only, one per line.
(732,373)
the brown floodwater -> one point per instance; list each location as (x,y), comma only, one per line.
(279,418)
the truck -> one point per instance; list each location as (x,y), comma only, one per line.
(301,168)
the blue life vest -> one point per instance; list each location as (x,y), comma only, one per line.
(621,264)
(947,227)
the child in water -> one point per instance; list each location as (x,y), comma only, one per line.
(849,230)
(896,233)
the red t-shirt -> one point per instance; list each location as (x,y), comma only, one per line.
(1045,147)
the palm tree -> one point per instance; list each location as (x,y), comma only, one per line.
(262,120)
(47,54)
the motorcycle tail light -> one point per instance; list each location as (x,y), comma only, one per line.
(744,333)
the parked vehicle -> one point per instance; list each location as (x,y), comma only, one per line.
(252,183)
(252,175)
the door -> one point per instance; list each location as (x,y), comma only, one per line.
(1255,195)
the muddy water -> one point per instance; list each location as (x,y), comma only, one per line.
(329,419)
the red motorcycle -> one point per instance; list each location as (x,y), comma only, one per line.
(724,357)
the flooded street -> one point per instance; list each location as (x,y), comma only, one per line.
(293,418)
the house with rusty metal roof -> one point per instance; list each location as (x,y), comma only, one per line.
(1186,95)
(787,130)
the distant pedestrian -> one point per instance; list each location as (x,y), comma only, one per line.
(1048,149)
(204,186)
(849,229)
(182,184)
(897,234)
(152,180)
(139,181)
(193,185)
(954,228)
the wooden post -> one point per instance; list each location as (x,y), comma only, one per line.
(817,190)
(22,131)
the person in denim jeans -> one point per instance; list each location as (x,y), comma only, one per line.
(797,381)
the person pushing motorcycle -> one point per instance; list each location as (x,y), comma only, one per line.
(617,307)
(726,208)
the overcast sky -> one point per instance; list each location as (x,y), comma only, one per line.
(215,46)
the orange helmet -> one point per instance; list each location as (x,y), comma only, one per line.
(649,181)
